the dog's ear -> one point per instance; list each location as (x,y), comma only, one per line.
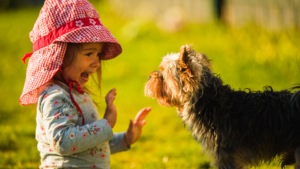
(186,74)
(184,54)
(184,59)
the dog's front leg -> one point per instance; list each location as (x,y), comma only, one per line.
(226,166)
(230,163)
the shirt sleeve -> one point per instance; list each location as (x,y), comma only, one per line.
(117,144)
(59,119)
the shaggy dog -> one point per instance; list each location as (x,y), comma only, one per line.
(237,128)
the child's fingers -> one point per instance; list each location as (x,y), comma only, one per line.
(112,99)
(110,102)
(143,122)
(111,92)
(142,114)
(111,95)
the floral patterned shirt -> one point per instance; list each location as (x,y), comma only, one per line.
(63,141)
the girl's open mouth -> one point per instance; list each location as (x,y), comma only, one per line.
(85,76)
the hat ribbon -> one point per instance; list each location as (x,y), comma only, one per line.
(59,31)
(27,55)
(70,82)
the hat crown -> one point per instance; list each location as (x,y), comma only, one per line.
(56,13)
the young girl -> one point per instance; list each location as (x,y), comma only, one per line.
(68,42)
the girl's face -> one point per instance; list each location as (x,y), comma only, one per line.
(84,63)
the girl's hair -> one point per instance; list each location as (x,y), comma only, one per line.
(72,50)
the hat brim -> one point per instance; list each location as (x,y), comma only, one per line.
(43,64)
(96,33)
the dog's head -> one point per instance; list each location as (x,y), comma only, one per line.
(179,77)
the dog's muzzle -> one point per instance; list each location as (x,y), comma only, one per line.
(155,74)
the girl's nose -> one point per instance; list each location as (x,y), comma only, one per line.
(96,63)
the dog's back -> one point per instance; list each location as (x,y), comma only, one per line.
(246,125)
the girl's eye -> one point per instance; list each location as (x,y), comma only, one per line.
(99,54)
(89,54)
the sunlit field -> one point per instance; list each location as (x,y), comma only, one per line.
(245,57)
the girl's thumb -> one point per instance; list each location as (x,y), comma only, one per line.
(130,125)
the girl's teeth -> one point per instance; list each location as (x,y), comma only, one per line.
(85,74)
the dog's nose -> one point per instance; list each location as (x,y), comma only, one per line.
(149,77)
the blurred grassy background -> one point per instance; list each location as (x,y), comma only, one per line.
(245,57)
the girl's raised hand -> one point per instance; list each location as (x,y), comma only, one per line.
(135,127)
(111,110)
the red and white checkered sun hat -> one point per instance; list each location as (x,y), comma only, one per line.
(62,21)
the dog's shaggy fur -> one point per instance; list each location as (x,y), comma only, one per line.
(237,128)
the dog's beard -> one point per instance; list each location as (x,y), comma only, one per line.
(156,88)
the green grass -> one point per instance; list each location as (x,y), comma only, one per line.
(247,57)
